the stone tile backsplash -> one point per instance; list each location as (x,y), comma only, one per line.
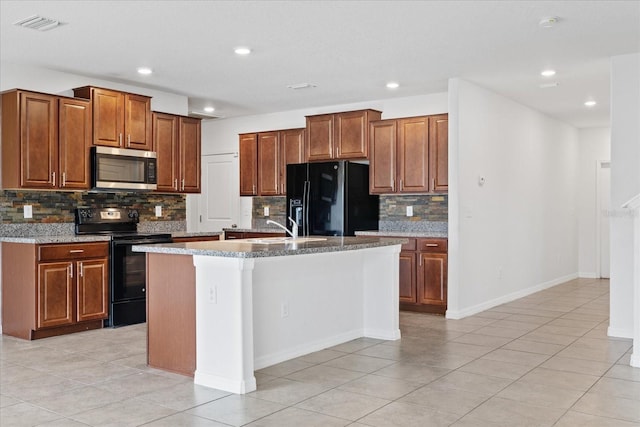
(430,212)
(58,206)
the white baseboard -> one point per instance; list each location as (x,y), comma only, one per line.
(635,360)
(620,332)
(291,353)
(588,275)
(459,314)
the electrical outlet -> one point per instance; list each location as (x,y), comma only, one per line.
(28,211)
(158,211)
(266,211)
(409,210)
(284,310)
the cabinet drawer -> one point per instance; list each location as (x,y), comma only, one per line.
(410,245)
(432,245)
(72,251)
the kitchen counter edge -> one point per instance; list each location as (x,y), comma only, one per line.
(244,249)
(40,240)
(416,234)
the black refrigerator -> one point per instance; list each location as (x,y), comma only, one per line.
(331,198)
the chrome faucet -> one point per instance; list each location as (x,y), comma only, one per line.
(294,227)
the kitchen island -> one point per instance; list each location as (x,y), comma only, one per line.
(259,302)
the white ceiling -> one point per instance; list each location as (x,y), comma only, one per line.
(349,49)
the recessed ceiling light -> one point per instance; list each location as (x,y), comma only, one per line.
(209,109)
(37,22)
(548,85)
(548,73)
(145,71)
(242,51)
(548,22)
(393,85)
(590,103)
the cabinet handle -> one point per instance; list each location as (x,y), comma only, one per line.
(76,251)
(175,183)
(80,268)
(70,267)
(253,189)
(129,140)
(120,139)
(433,184)
(431,245)
(182,184)
(53,179)
(401,185)
(64,179)
(393,184)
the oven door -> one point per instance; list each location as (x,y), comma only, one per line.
(128,271)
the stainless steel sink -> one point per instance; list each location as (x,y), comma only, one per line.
(283,240)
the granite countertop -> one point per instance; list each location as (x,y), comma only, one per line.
(70,238)
(249,248)
(389,233)
(256,230)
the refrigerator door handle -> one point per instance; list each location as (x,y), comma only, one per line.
(305,207)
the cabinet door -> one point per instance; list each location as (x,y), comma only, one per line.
(351,135)
(165,144)
(55,294)
(319,138)
(38,140)
(408,287)
(248,164)
(382,157)
(108,118)
(432,278)
(190,155)
(291,152)
(74,140)
(93,289)
(438,152)
(268,164)
(137,122)
(413,155)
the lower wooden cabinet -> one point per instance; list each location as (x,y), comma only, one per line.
(230,235)
(54,289)
(423,275)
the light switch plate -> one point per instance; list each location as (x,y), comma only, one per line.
(158,211)
(409,210)
(28,211)
(266,211)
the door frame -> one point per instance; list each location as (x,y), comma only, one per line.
(599,166)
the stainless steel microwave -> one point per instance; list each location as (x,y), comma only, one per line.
(123,169)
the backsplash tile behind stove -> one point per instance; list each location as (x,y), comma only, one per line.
(58,206)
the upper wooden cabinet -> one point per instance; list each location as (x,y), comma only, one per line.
(249,164)
(272,151)
(176,141)
(339,135)
(120,119)
(409,155)
(439,152)
(45,141)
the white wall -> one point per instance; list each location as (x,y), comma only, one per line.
(517,233)
(594,145)
(60,83)
(221,136)
(625,183)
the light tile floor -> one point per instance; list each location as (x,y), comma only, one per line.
(543,360)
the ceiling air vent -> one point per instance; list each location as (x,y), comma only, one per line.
(37,22)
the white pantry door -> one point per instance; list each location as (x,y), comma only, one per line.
(220,198)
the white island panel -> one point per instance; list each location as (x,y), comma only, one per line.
(253,313)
